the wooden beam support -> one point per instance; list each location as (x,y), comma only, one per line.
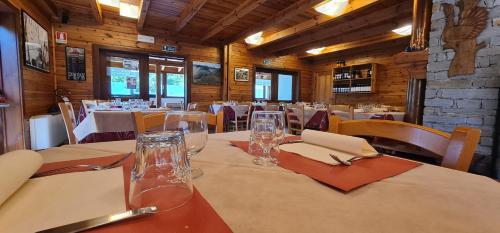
(279,17)
(143,12)
(354,6)
(381,38)
(48,7)
(188,13)
(96,10)
(241,11)
(374,23)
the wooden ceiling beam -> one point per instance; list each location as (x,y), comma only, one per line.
(354,6)
(50,8)
(241,11)
(393,16)
(188,13)
(279,17)
(364,42)
(361,33)
(143,12)
(96,10)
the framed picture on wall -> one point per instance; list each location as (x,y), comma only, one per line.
(206,73)
(36,44)
(75,64)
(241,74)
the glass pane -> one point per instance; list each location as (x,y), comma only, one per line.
(152,80)
(175,85)
(285,87)
(262,85)
(124,75)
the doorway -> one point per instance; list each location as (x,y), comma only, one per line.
(275,85)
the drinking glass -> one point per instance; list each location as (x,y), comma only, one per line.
(194,126)
(161,175)
(267,131)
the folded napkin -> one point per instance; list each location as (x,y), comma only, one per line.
(15,169)
(319,145)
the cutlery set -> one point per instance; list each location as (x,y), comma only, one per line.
(351,160)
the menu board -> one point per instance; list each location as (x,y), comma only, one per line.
(75,64)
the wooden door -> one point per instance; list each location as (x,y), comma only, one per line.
(323,84)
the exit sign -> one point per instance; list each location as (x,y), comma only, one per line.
(170,48)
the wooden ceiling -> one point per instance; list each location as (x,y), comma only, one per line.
(289,26)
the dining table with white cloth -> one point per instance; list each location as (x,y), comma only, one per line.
(360,115)
(252,198)
(314,118)
(107,121)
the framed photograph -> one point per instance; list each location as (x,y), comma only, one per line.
(206,73)
(36,44)
(241,74)
(75,64)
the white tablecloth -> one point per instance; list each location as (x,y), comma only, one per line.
(398,116)
(308,113)
(106,121)
(252,198)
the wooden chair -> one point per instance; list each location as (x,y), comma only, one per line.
(192,106)
(89,105)
(241,117)
(456,150)
(148,122)
(217,121)
(295,118)
(344,108)
(68,114)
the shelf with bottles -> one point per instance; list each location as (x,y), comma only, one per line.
(354,79)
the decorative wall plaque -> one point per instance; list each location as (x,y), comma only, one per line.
(461,35)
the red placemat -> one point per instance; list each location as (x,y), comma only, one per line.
(195,216)
(345,178)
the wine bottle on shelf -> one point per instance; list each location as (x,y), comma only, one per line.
(369,75)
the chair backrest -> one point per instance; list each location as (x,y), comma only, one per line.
(175,106)
(146,122)
(295,116)
(344,108)
(217,121)
(89,105)
(192,106)
(456,149)
(69,119)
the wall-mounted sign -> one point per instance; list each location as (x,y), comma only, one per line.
(75,64)
(61,37)
(146,39)
(267,62)
(169,48)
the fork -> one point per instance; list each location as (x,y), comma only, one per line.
(88,166)
(355,158)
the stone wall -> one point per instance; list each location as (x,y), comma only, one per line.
(470,100)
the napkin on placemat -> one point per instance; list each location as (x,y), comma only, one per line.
(195,216)
(345,178)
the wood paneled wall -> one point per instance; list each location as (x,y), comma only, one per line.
(38,86)
(239,56)
(392,79)
(124,34)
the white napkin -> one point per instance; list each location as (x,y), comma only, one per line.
(15,169)
(319,145)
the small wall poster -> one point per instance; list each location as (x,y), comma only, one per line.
(75,64)
(241,74)
(61,37)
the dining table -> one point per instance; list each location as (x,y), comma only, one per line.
(314,118)
(359,114)
(251,198)
(231,110)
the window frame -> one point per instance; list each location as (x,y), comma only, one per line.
(274,83)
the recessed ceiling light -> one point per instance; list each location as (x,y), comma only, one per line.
(255,39)
(113,3)
(331,7)
(129,10)
(315,51)
(404,31)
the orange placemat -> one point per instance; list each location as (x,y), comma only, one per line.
(195,216)
(345,178)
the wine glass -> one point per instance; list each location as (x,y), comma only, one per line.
(267,132)
(194,126)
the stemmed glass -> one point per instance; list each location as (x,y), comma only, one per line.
(194,126)
(267,131)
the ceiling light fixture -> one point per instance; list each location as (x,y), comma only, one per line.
(129,10)
(404,31)
(113,3)
(331,7)
(255,39)
(315,51)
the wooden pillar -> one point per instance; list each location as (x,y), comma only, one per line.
(422,10)
(226,72)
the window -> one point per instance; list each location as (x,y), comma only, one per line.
(124,76)
(175,85)
(274,85)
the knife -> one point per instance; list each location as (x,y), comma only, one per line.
(101,221)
